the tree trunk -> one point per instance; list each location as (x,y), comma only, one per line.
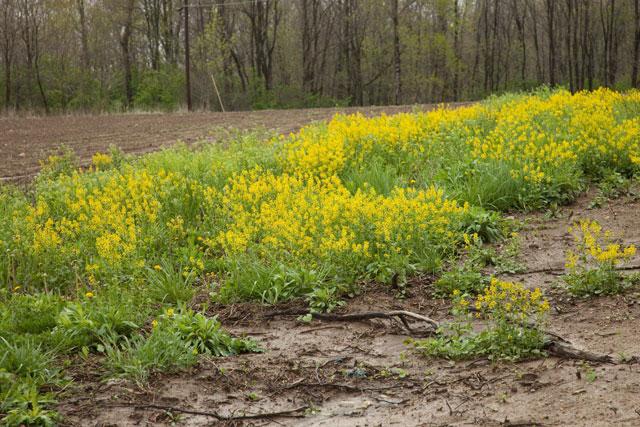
(397,69)
(125,44)
(550,6)
(520,24)
(84,43)
(8,31)
(536,41)
(263,16)
(310,10)
(636,43)
(568,39)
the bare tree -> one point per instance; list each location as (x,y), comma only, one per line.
(8,39)
(125,45)
(636,43)
(265,17)
(397,65)
(31,18)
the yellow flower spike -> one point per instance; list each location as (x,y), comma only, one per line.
(89,294)
(170,312)
(154,323)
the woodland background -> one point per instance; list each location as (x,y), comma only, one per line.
(118,55)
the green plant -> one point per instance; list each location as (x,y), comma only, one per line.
(590,374)
(487,225)
(56,165)
(24,405)
(514,317)
(26,358)
(175,341)
(203,334)
(506,260)
(612,185)
(168,285)
(30,314)
(88,321)
(465,279)
(250,278)
(159,89)
(138,357)
(325,299)
(25,367)
(592,265)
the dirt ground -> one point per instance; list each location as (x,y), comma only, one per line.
(363,374)
(26,140)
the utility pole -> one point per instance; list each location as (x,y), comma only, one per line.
(187,62)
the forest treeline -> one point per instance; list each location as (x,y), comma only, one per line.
(116,55)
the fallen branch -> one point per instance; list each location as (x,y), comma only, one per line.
(354,317)
(349,387)
(554,344)
(290,413)
(557,346)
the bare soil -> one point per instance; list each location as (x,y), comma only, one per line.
(363,374)
(26,140)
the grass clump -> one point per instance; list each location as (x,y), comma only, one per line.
(169,285)
(514,317)
(592,264)
(25,369)
(174,343)
(29,314)
(87,321)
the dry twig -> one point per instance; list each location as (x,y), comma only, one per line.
(290,413)
(354,317)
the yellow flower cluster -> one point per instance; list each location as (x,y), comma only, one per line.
(313,217)
(104,223)
(350,139)
(302,203)
(101,160)
(509,301)
(536,136)
(595,245)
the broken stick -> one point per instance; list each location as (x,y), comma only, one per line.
(403,315)
(291,413)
